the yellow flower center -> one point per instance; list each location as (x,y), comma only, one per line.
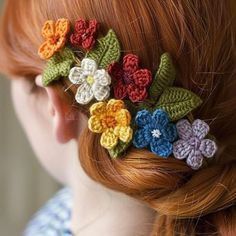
(109,121)
(90,80)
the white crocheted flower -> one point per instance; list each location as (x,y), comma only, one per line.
(93,83)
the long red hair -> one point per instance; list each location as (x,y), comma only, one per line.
(200,36)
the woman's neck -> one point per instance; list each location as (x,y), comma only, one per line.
(97,209)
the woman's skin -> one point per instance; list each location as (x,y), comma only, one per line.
(53,135)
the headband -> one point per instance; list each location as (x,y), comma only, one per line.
(129,106)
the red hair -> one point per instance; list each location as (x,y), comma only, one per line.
(200,36)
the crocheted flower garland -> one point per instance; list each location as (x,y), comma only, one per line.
(128,105)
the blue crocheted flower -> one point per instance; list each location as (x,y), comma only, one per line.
(155,132)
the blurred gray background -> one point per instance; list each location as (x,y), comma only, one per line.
(24,185)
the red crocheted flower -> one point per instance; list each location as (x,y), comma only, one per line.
(130,81)
(84,34)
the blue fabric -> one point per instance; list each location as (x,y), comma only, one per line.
(54,218)
(157,123)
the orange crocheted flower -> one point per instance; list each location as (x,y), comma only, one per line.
(112,120)
(55,37)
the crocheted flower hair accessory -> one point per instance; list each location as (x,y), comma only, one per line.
(128,104)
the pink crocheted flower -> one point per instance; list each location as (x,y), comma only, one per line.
(192,144)
(85,34)
(130,81)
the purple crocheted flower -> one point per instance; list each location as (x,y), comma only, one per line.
(155,132)
(192,144)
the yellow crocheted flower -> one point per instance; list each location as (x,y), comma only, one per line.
(112,120)
(55,37)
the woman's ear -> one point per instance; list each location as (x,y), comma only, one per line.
(65,122)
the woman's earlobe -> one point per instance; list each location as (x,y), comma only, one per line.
(65,124)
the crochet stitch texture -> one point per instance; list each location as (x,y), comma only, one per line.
(58,66)
(192,144)
(131,81)
(84,34)
(115,86)
(93,83)
(112,120)
(155,131)
(55,37)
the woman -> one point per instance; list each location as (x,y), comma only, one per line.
(140,194)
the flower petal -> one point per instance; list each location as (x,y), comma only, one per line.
(93,26)
(115,71)
(130,63)
(124,133)
(169,132)
(184,129)
(98,108)
(123,117)
(142,137)
(46,50)
(208,148)
(48,29)
(160,118)
(100,92)
(142,77)
(200,128)
(161,147)
(136,93)
(84,94)
(102,77)
(88,42)
(76,75)
(115,105)
(62,27)
(80,26)
(195,160)
(59,44)
(89,66)
(182,149)
(95,125)
(108,139)
(120,90)
(143,118)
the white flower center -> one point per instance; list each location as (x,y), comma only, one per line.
(90,80)
(156,133)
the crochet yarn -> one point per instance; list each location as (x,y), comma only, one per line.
(106,51)
(93,83)
(153,102)
(119,149)
(58,66)
(112,120)
(164,77)
(131,81)
(192,145)
(84,34)
(55,37)
(178,102)
(155,132)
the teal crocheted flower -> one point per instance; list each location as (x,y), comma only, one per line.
(58,66)
(155,132)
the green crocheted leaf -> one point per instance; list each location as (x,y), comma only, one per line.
(164,77)
(119,149)
(106,51)
(58,66)
(178,102)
